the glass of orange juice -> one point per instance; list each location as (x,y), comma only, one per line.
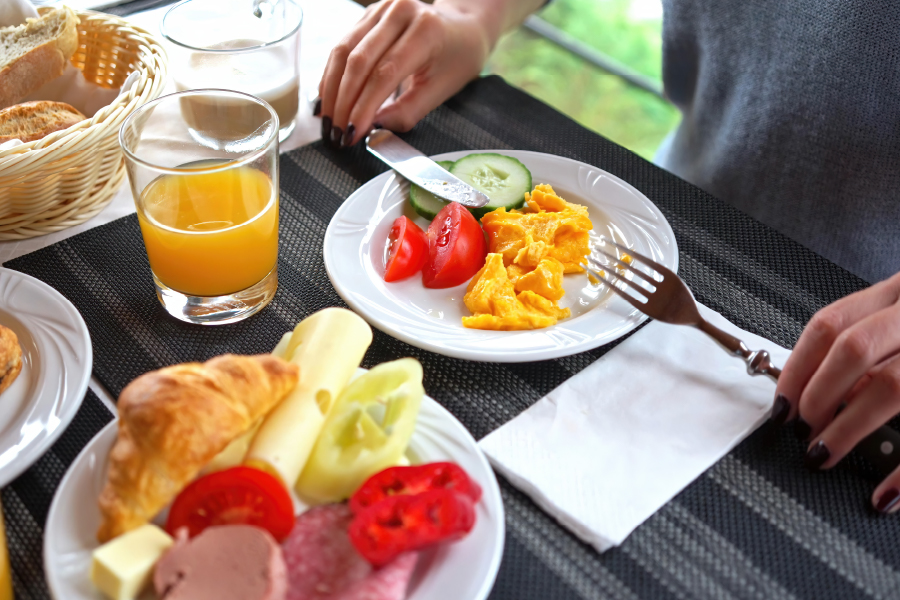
(203,168)
(6,591)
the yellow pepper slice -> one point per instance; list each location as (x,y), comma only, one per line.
(367,430)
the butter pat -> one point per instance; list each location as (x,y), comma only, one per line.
(122,567)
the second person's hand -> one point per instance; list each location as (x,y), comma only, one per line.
(842,382)
(433,50)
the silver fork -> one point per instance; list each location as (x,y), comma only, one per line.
(669,300)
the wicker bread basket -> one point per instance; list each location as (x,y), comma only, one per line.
(69,176)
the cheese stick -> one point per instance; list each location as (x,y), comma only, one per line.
(328,347)
(234,453)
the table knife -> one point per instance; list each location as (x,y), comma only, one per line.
(421,170)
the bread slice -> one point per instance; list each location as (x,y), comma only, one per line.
(35,53)
(31,121)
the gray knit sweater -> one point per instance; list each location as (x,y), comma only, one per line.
(792,114)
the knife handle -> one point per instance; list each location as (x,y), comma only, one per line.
(881,448)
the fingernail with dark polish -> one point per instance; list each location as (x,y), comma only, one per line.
(347,140)
(326,128)
(780,411)
(336,133)
(888,500)
(817,456)
(318,107)
(802,429)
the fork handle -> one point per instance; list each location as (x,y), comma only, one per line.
(758,361)
(881,447)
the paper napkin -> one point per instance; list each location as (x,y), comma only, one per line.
(610,446)
(71,87)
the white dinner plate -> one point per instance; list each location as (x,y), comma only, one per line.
(355,244)
(464,570)
(56,355)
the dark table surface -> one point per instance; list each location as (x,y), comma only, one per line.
(756,525)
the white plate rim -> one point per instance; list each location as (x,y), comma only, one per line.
(512,354)
(65,405)
(491,498)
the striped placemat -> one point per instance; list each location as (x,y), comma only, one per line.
(756,525)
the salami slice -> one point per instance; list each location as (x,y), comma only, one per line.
(323,565)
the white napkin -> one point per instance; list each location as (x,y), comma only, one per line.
(71,87)
(610,446)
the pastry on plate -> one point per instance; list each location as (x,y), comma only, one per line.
(173,421)
(35,53)
(10,357)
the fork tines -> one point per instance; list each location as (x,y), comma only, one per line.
(652,263)
(619,284)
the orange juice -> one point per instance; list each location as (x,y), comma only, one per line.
(211,234)
(6,592)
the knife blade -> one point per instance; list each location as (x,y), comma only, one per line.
(421,170)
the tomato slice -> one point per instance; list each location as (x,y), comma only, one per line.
(413,480)
(407,250)
(236,496)
(404,523)
(456,248)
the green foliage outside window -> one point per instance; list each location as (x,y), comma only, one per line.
(627,115)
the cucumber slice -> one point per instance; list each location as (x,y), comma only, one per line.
(504,179)
(424,202)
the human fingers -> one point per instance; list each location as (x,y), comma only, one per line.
(886,498)
(433,85)
(817,339)
(856,351)
(413,105)
(869,409)
(405,62)
(396,48)
(337,60)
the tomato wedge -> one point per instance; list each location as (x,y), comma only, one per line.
(236,496)
(456,248)
(407,250)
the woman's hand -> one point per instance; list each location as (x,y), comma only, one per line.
(848,354)
(433,50)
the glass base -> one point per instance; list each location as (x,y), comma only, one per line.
(286,131)
(218,310)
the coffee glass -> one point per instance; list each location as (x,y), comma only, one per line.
(203,168)
(251,47)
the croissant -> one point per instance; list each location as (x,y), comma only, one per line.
(173,421)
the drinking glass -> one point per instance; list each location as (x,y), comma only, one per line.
(6,591)
(203,168)
(252,47)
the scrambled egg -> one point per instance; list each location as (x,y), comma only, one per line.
(492,298)
(531,249)
(547,226)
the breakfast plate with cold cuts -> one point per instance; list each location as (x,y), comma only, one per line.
(293,475)
(501,283)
